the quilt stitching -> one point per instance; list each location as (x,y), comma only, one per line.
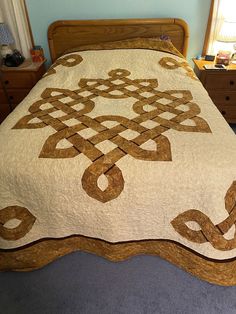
(151,105)
(172,64)
(67,61)
(208,231)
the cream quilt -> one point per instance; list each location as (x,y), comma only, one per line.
(119,145)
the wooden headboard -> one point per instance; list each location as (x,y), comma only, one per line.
(63,35)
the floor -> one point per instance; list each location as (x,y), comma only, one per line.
(86,284)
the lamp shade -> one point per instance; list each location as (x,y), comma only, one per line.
(227,32)
(6,37)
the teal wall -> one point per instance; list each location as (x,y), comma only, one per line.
(195,12)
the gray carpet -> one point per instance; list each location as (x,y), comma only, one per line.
(86,284)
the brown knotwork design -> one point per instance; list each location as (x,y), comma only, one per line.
(67,61)
(172,64)
(15,212)
(208,232)
(156,112)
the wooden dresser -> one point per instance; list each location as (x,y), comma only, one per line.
(16,82)
(221,86)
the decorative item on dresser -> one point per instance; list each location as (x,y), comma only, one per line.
(227,33)
(16,82)
(221,86)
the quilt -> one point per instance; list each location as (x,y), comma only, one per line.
(119,144)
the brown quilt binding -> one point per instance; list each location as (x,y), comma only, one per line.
(40,253)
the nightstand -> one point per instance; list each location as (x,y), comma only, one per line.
(16,82)
(221,86)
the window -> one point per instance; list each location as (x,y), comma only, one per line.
(223,26)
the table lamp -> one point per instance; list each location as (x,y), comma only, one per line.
(227,33)
(6,39)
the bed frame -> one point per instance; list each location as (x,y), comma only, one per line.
(64,35)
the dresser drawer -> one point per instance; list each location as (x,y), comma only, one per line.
(229,113)
(3,98)
(17,95)
(18,80)
(227,98)
(220,81)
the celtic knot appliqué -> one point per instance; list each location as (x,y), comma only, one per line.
(156,112)
(208,231)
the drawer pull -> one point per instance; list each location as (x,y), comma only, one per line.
(223,112)
(6,82)
(227,98)
(231,82)
(11,97)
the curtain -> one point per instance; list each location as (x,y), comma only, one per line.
(223,9)
(12,12)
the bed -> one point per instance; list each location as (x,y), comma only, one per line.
(118,151)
